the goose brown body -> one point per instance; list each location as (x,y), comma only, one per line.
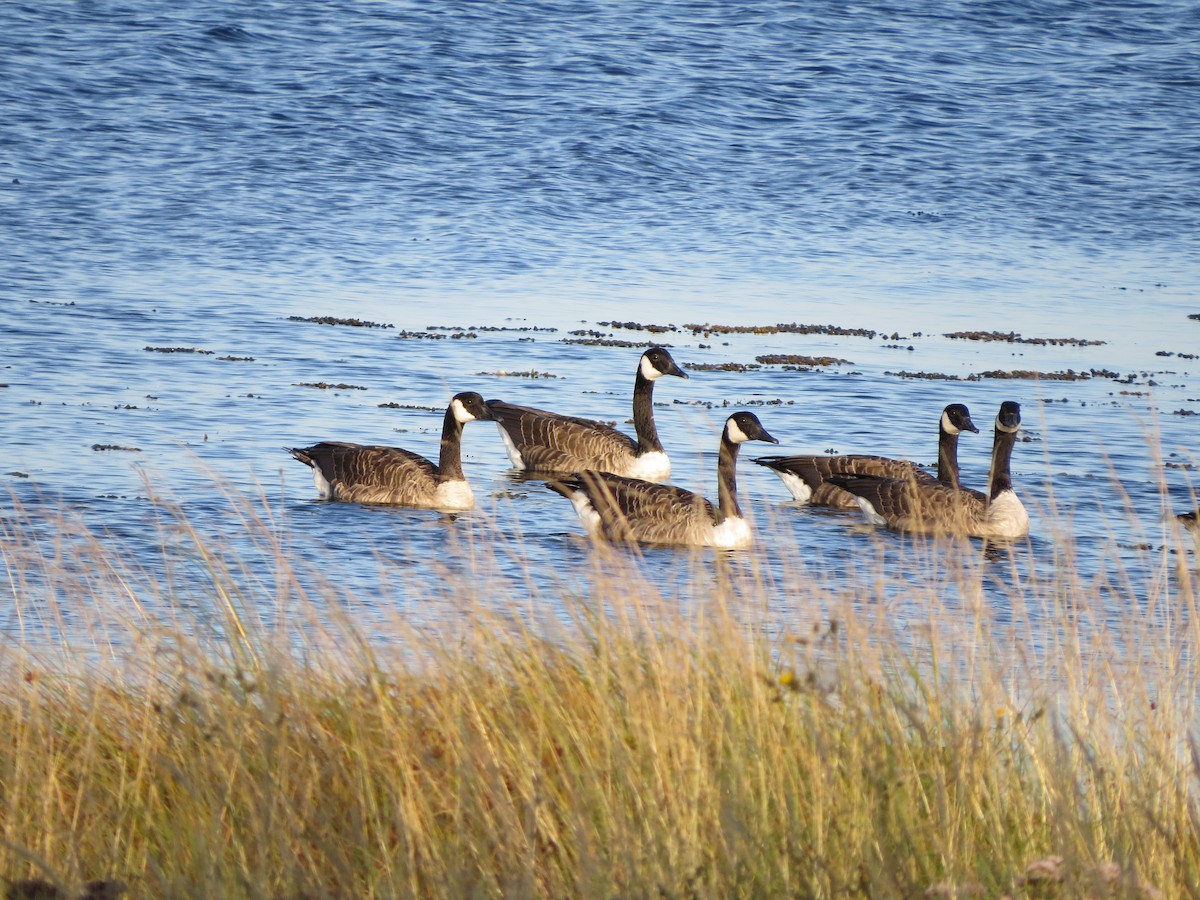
(809,477)
(907,504)
(364,473)
(616,508)
(537,440)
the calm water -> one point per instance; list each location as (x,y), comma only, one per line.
(192,177)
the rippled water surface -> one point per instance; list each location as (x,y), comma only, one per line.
(181,186)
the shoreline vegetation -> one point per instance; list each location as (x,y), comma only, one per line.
(220,727)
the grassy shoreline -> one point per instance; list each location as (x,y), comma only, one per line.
(634,749)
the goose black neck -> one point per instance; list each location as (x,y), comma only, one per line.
(1000,477)
(450,455)
(947,466)
(643,415)
(727,502)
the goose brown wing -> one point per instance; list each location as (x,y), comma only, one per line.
(816,472)
(370,473)
(635,510)
(911,505)
(551,442)
(816,469)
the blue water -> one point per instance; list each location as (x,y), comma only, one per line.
(189,176)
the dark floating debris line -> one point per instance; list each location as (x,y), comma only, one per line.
(638,326)
(783,328)
(1068,375)
(613,342)
(180,350)
(722,367)
(325,386)
(334,320)
(1178,355)
(724,404)
(99,447)
(794,359)
(413,406)
(493,328)
(707,330)
(504,373)
(1012,337)
(435,335)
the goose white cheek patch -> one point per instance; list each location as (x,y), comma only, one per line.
(735,433)
(648,370)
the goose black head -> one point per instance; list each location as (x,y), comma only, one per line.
(956,418)
(744,426)
(657,361)
(1009,418)
(469,406)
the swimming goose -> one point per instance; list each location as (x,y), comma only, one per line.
(541,441)
(615,508)
(1190,521)
(807,477)
(933,508)
(373,474)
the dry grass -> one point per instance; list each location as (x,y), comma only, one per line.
(631,750)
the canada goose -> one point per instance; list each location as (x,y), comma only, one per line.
(617,508)
(807,477)
(1190,521)
(373,474)
(541,441)
(935,508)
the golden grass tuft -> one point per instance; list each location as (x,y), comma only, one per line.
(629,747)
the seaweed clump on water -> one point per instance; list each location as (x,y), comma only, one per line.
(790,328)
(611,342)
(179,350)
(928,376)
(326,386)
(333,320)
(638,326)
(1012,337)
(1068,375)
(492,328)
(796,359)
(504,373)
(723,367)
(1180,355)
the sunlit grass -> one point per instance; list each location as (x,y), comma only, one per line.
(217,728)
